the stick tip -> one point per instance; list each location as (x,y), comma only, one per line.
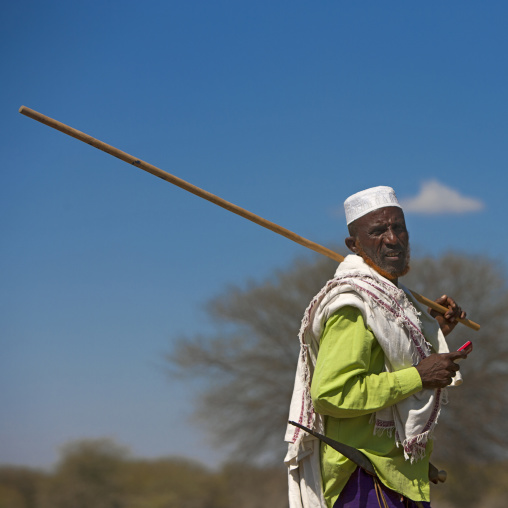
(22,109)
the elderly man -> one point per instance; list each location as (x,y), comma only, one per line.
(372,371)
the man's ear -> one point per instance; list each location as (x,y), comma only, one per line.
(351,244)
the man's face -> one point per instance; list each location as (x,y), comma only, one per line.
(381,237)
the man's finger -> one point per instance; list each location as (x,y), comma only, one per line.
(456,354)
(454,311)
(442,299)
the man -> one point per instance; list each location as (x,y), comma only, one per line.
(372,371)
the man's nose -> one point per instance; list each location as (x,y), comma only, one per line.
(391,238)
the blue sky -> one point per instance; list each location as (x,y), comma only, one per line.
(284,108)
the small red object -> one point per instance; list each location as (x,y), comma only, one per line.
(467,347)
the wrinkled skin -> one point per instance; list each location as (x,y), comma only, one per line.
(438,370)
(381,237)
(434,369)
(448,320)
(382,240)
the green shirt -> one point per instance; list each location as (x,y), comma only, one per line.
(349,384)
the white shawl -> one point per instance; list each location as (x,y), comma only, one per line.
(406,333)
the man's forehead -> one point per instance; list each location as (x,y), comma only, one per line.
(385,215)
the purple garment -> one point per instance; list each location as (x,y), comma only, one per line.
(359,492)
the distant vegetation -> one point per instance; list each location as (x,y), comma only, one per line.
(100,474)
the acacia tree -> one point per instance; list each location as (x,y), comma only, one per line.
(249,358)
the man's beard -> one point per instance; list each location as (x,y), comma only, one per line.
(381,271)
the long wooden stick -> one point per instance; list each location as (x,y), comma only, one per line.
(55,124)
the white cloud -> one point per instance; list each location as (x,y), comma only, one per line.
(434,198)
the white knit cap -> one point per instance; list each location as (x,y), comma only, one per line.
(368,200)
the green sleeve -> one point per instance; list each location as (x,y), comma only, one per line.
(348,380)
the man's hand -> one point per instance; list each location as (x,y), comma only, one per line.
(438,370)
(448,320)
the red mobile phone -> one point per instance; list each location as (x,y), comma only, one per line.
(467,347)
